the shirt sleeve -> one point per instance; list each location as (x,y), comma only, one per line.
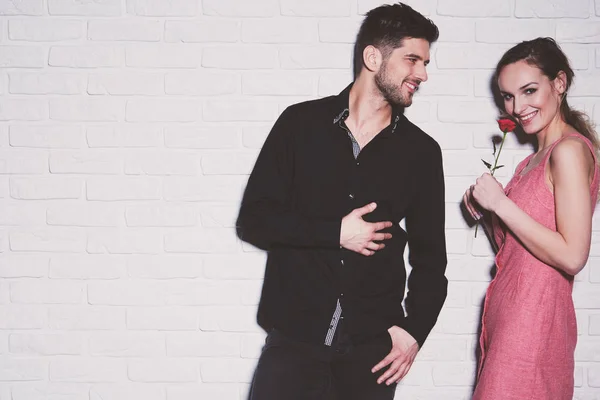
(266,218)
(427,284)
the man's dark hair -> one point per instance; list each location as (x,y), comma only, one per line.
(386,26)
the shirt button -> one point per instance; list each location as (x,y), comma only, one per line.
(351,195)
(342,261)
(342,295)
(357,163)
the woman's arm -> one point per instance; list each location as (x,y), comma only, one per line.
(571,169)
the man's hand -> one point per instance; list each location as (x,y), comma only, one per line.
(358,235)
(403,353)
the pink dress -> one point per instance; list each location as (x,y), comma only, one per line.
(529,330)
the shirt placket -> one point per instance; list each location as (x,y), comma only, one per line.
(337,314)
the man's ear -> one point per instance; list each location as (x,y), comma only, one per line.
(372,58)
(560,82)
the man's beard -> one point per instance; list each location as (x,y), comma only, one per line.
(391,93)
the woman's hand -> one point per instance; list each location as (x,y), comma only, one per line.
(470,204)
(488,192)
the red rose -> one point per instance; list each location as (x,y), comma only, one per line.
(506,125)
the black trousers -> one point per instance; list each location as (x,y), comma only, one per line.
(291,370)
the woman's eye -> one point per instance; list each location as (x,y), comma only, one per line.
(530,91)
(507,97)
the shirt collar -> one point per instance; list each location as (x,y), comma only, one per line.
(342,110)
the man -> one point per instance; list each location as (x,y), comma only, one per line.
(332,182)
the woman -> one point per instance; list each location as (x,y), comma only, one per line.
(542,223)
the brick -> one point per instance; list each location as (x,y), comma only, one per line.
(45,292)
(202,241)
(201,84)
(473,8)
(587,350)
(162,8)
(279,31)
(86,267)
(586,297)
(162,164)
(252,345)
(446,349)
(458,322)
(338,31)
(419,112)
(48,240)
(44,30)
(240,8)
(163,371)
(162,318)
(453,374)
(450,137)
(163,56)
(235,267)
(126,391)
(584,86)
(316,8)
(203,391)
(594,325)
(239,57)
(89,56)
(70,162)
(158,216)
(127,135)
(459,56)
(126,83)
(202,344)
(164,110)
(124,30)
(206,188)
(254,136)
(466,111)
(87,369)
(333,83)
(130,241)
(23,266)
(20,162)
(126,293)
(22,370)
(278,84)
(205,31)
(84,215)
(578,55)
(45,188)
(334,56)
(115,189)
(88,110)
(469,269)
(45,344)
(23,109)
(227,370)
(31,7)
(229,319)
(233,164)
(219,216)
(46,83)
(513,31)
(102,8)
(22,57)
(239,110)
(447,84)
(554,9)
(191,137)
(92,318)
(425,7)
(22,317)
(50,391)
(127,345)
(39,136)
(455,30)
(201,293)
(165,267)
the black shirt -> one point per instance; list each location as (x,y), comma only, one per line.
(305,181)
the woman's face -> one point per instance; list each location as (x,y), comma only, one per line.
(529,96)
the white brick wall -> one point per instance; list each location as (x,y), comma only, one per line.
(127,130)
